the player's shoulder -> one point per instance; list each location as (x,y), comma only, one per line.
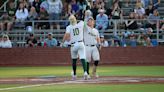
(81,22)
(95,29)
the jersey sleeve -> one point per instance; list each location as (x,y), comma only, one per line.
(97,32)
(81,23)
(68,29)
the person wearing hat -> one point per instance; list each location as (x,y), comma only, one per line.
(92,46)
(5,20)
(50,41)
(104,43)
(101,21)
(31,41)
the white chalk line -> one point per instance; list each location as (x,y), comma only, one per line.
(38,85)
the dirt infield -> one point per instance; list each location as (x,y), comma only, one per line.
(100,80)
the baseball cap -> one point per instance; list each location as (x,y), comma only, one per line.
(90,18)
(101,10)
(101,36)
(50,33)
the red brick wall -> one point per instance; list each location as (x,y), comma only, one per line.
(61,56)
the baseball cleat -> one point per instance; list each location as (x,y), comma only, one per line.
(73,76)
(85,75)
(88,77)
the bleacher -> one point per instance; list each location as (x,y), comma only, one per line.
(18,36)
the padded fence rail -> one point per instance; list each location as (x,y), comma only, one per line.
(61,56)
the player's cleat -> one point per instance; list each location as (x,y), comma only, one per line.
(88,77)
(85,75)
(73,76)
(95,75)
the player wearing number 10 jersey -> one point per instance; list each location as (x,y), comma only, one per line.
(74,32)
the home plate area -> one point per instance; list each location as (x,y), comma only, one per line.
(100,80)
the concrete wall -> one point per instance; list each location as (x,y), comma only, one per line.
(61,56)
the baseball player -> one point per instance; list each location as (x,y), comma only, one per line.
(75,32)
(92,41)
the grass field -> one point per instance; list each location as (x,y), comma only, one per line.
(61,71)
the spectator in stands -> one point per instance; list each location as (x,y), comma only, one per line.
(144,40)
(83,5)
(43,15)
(140,3)
(33,15)
(101,21)
(132,23)
(37,4)
(162,25)
(44,5)
(0,41)
(54,10)
(94,10)
(24,2)
(152,19)
(50,41)
(31,41)
(21,13)
(155,3)
(6,43)
(104,43)
(75,8)
(67,11)
(146,2)
(87,15)
(6,20)
(100,4)
(149,10)
(162,28)
(116,10)
(11,10)
(140,11)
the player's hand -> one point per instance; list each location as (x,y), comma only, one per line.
(61,45)
(99,46)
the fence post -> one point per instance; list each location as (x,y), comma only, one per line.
(33,26)
(157,26)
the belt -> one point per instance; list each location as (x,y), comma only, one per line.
(77,41)
(90,45)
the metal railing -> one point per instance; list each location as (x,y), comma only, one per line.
(4,6)
(19,35)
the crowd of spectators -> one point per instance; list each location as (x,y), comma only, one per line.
(103,11)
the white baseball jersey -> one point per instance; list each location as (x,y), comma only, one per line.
(76,32)
(76,38)
(90,36)
(90,41)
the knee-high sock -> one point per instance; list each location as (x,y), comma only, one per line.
(74,65)
(83,62)
(95,66)
(88,67)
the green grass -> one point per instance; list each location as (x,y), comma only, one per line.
(8,72)
(94,88)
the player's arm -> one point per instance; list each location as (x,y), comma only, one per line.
(66,37)
(98,41)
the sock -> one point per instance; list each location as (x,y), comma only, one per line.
(83,62)
(88,67)
(74,65)
(96,63)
